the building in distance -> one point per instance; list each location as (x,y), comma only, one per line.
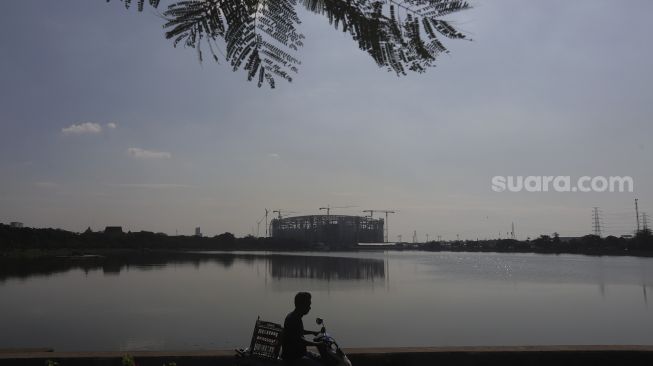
(113,230)
(329,229)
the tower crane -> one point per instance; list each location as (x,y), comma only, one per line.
(282,212)
(258,227)
(328,208)
(385,239)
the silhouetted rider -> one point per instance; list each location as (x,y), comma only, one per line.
(293,344)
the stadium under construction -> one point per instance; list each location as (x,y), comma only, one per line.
(329,229)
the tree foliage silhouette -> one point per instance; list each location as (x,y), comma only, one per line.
(261,36)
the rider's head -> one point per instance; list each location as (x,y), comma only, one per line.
(303,302)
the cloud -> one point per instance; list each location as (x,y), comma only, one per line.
(274,156)
(82,128)
(112,125)
(147,154)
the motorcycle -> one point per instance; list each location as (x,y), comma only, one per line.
(330,352)
(266,342)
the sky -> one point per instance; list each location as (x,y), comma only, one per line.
(105,123)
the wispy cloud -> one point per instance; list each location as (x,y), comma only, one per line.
(82,128)
(87,128)
(148,154)
(274,156)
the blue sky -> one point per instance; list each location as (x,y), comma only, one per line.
(545,88)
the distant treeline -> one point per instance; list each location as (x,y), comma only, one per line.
(13,239)
(640,244)
(18,239)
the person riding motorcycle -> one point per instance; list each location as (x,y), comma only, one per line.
(293,343)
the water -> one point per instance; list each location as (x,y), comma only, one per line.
(211,300)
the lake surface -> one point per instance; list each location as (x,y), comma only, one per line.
(211,300)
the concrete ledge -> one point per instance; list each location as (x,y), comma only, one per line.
(24,350)
(463,356)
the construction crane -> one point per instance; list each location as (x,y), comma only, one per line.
(385,236)
(258,227)
(328,208)
(258,224)
(280,212)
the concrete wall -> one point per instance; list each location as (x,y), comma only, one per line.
(459,356)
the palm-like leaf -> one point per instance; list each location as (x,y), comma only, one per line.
(140,3)
(393,43)
(261,37)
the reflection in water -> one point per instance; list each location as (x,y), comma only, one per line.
(645,296)
(208,300)
(326,268)
(277,266)
(601,277)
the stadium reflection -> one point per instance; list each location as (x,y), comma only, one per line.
(326,268)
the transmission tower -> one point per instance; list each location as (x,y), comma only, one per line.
(414,236)
(644,221)
(596,222)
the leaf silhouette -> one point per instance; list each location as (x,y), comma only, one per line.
(261,38)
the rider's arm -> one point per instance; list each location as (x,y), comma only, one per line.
(309,343)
